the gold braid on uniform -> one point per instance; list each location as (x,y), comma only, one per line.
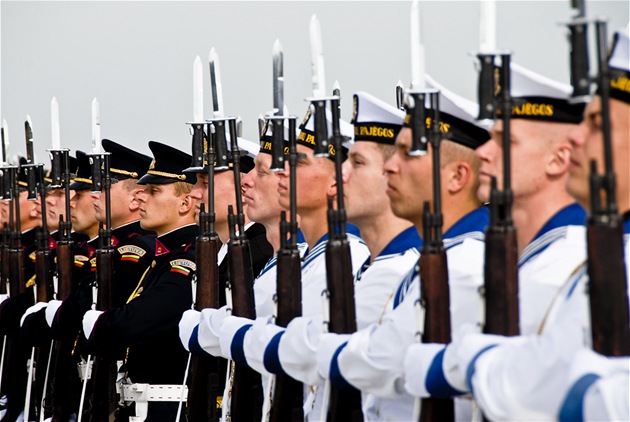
(136,292)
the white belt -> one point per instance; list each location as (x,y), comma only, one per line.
(154,392)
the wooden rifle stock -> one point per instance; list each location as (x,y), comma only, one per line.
(345,405)
(247,388)
(104,369)
(246,393)
(288,392)
(608,287)
(204,374)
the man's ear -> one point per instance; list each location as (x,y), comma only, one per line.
(558,161)
(187,204)
(458,175)
(134,204)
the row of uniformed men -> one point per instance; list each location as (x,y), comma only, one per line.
(548,372)
(385,189)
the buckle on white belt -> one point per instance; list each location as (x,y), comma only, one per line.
(142,394)
(154,392)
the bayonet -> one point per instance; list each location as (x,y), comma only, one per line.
(278,79)
(417,48)
(54,123)
(29,140)
(336,92)
(5,141)
(215,84)
(317,58)
(96,126)
(197,90)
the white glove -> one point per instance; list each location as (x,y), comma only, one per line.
(89,320)
(210,329)
(32,310)
(190,320)
(3,297)
(51,311)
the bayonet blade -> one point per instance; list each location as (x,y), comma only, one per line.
(278,79)
(54,124)
(197,90)
(30,154)
(317,58)
(215,83)
(96,126)
(5,141)
(417,48)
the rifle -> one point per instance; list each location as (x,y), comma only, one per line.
(606,265)
(501,269)
(204,375)
(288,392)
(435,325)
(104,370)
(60,175)
(345,405)
(246,392)
(501,257)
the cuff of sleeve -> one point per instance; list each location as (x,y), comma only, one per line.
(271,357)
(326,351)
(336,377)
(209,330)
(573,405)
(230,343)
(416,364)
(298,349)
(51,311)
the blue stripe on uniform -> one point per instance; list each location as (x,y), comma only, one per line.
(236,348)
(271,359)
(436,382)
(573,406)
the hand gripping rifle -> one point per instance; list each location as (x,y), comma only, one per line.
(345,405)
(608,286)
(246,392)
(104,370)
(204,374)
(501,256)
(288,393)
(434,304)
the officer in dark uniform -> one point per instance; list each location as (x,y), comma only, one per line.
(147,325)
(12,309)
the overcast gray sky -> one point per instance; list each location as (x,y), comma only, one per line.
(137,57)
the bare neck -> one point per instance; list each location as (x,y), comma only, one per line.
(313,225)
(379,232)
(531,213)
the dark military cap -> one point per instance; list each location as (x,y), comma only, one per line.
(167,166)
(125,163)
(82,180)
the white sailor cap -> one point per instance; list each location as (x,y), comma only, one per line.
(374,120)
(537,97)
(458,117)
(307,132)
(619,64)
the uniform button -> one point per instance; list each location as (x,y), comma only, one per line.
(153,264)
